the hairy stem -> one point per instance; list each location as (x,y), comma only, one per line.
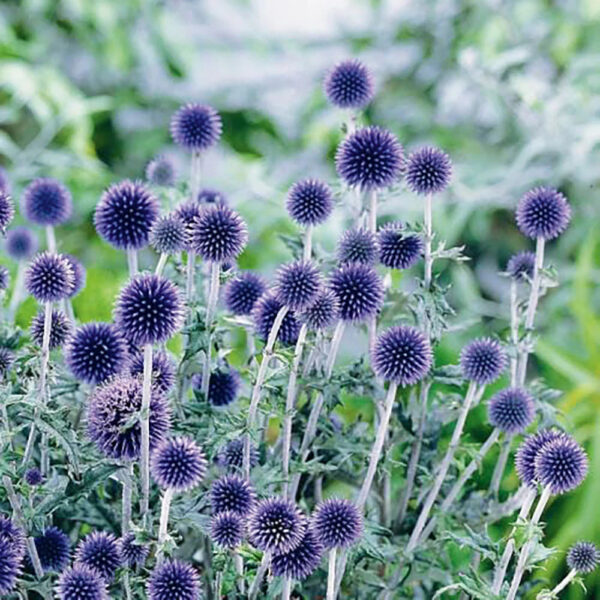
(500,467)
(564,583)
(127,483)
(514,330)
(165,508)
(160,265)
(260,575)
(17,292)
(132,261)
(145,428)
(373,211)
(213,297)
(428,222)
(307,251)
(286,590)
(189,281)
(50,239)
(331,595)
(238,561)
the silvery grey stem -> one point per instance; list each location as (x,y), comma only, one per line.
(189,281)
(260,575)
(514,330)
(132,262)
(195,174)
(238,561)
(50,239)
(372,332)
(127,483)
(428,222)
(564,583)
(160,265)
(373,211)
(165,508)
(500,466)
(286,590)
(213,297)
(17,291)
(69,310)
(145,428)
(331,595)
(307,252)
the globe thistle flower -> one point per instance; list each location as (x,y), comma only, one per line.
(428,171)
(337,523)
(358,290)
(168,234)
(4,278)
(96,352)
(13,536)
(132,552)
(242,292)
(511,410)
(100,551)
(79,274)
(125,215)
(231,494)
(163,370)
(583,557)
(232,454)
(357,246)
(301,561)
(161,171)
(528,451)
(47,201)
(322,313)
(189,213)
(49,277)
(223,387)
(210,196)
(402,354)
(173,579)
(112,422)
(297,284)
(219,234)
(196,127)
(264,314)
(60,329)
(149,310)
(178,464)
(21,243)
(349,85)
(561,465)
(227,529)
(33,477)
(276,525)
(543,212)
(482,361)
(53,548)
(521,265)
(7,358)
(10,567)
(309,202)
(397,248)
(7,210)
(370,158)
(81,582)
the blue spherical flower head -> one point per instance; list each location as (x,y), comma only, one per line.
(231,455)
(223,387)
(133,553)
(227,529)
(125,215)
(61,329)
(298,284)
(7,358)
(357,246)
(322,313)
(10,567)
(264,314)
(112,422)
(161,171)
(33,477)
(96,352)
(219,234)
(172,580)
(81,582)
(49,277)
(7,210)
(78,274)
(399,249)
(4,278)
(370,158)
(528,451)
(21,243)
(231,493)
(178,464)
(511,410)
(210,196)
(543,213)
(300,562)
(47,201)
(482,361)
(402,354)
(13,536)
(309,202)
(521,265)
(276,525)
(349,85)
(163,369)
(100,551)
(149,310)
(242,292)
(53,548)
(196,127)
(358,290)
(583,557)
(561,465)
(428,171)
(168,234)
(337,523)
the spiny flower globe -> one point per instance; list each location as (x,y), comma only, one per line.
(168,234)
(301,561)
(53,548)
(149,310)
(543,212)
(482,361)
(210,196)
(309,202)
(337,523)
(161,171)
(223,387)
(96,352)
(521,265)
(561,465)
(297,284)
(231,493)
(7,210)
(349,85)
(173,580)
(196,126)
(511,410)
(264,314)
(10,567)
(163,369)
(219,234)
(47,201)
(242,292)
(79,274)
(81,582)
(33,477)
(178,464)
(370,158)
(528,451)
(402,354)
(125,215)
(232,454)
(276,525)
(133,553)
(4,278)
(583,557)
(12,535)
(227,529)
(61,329)
(399,249)
(357,246)
(49,277)
(7,358)
(428,171)
(21,243)
(358,290)
(322,313)
(100,551)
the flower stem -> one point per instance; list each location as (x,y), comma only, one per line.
(17,292)
(564,583)
(145,428)
(127,491)
(331,574)
(428,222)
(213,297)
(238,561)
(260,575)
(50,239)
(195,175)
(500,467)
(373,211)
(165,508)
(189,282)
(514,330)
(286,590)
(160,265)
(132,262)
(307,252)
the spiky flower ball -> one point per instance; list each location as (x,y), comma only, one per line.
(482,361)
(357,246)
(543,212)
(528,451)
(242,292)
(10,567)
(511,410)
(196,126)
(7,210)
(178,464)
(232,454)
(223,387)
(349,85)
(161,171)
(371,158)
(227,529)
(276,525)
(173,580)
(79,274)
(337,523)
(100,551)
(133,553)
(149,310)
(168,234)
(12,535)
(21,243)
(53,548)
(7,358)
(521,265)
(49,277)
(163,369)
(264,315)
(46,201)
(96,352)
(81,582)
(301,561)
(583,557)
(210,196)
(33,477)
(358,290)
(399,249)
(561,465)
(4,278)
(231,493)
(309,202)
(125,215)
(61,329)
(322,313)
(297,284)
(428,171)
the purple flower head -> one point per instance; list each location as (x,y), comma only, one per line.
(297,284)
(309,202)
(133,553)
(301,561)
(49,277)
(178,464)
(528,451)
(511,410)
(149,310)
(47,201)
(242,292)
(81,582)
(7,357)
(482,361)
(322,313)
(223,387)
(33,477)
(78,274)
(227,529)
(276,525)
(13,536)
(397,248)
(188,212)
(358,290)
(337,523)
(231,455)
(357,246)
(61,329)
(231,493)
(543,212)
(428,171)
(196,127)
(163,369)
(173,580)
(21,243)
(370,158)
(264,315)
(161,171)
(10,567)
(53,548)
(96,352)
(561,465)
(4,278)
(7,210)
(125,215)
(583,557)
(349,85)
(521,265)
(210,196)
(100,551)
(169,234)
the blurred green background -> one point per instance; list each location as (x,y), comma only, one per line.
(510,89)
